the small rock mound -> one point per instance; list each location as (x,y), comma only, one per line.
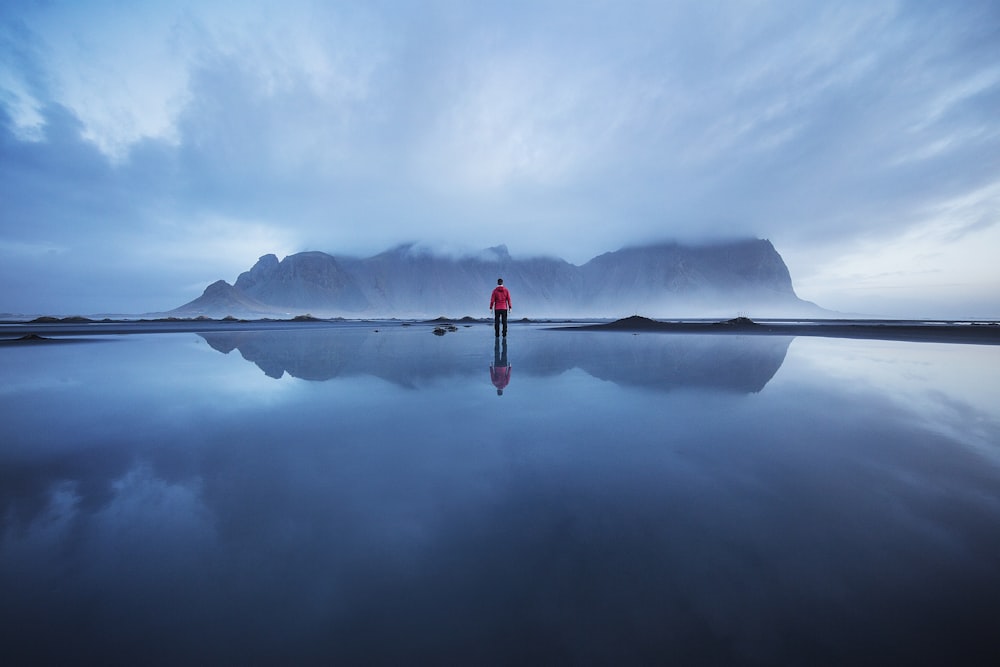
(48,319)
(633,323)
(739,322)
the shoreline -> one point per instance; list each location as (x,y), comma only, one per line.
(932,331)
(928,331)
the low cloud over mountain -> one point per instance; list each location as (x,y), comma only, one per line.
(666,280)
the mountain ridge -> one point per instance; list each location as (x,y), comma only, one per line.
(662,279)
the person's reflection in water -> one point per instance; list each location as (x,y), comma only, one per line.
(500,369)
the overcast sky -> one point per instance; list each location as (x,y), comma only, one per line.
(148,149)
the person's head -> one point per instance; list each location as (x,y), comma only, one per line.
(499,281)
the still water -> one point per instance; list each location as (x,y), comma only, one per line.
(343,495)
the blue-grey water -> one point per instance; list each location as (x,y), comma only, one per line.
(340,495)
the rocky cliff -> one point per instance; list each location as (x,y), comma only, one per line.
(663,280)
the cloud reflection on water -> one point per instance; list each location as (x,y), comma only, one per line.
(671,512)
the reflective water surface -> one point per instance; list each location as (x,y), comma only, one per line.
(345,495)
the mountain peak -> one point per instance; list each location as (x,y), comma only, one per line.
(218,287)
(264,268)
(500,251)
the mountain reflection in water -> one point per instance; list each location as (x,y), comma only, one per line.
(628,500)
(408,356)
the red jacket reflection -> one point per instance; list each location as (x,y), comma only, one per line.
(500,376)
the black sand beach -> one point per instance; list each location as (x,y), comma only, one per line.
(928,331)
(979,333)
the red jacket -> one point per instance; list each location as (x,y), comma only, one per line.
(500,298)
(500,375)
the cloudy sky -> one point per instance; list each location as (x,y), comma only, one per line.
(150,148)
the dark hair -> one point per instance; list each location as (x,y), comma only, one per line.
(499,281)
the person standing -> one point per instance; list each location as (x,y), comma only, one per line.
(500,305)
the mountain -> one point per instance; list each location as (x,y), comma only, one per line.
(661,280)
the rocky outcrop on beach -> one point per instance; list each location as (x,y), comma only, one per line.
(667,279)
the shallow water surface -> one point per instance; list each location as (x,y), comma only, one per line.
(348,495)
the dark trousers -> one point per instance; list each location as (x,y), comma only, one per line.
(500,315)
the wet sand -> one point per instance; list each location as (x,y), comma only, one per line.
(360,492)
